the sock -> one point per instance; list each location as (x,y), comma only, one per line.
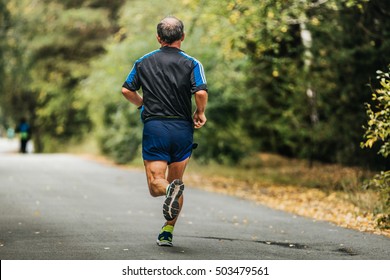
(167,228)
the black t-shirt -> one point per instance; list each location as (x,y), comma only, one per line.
(168,78)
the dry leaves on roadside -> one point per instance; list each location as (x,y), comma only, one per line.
(309,202)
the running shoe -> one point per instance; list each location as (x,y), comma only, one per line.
(171,205)
(165,237)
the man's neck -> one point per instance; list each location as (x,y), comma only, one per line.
(176,44)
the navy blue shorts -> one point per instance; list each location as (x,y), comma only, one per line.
(167,139)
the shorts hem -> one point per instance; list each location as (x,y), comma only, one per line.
(155,159)
(168,161)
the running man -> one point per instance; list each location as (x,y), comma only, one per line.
(168,78)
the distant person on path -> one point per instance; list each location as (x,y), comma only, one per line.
(169,78)
(24,131)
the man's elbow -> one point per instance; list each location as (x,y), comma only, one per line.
(201,94)
(125,91)
(128,93)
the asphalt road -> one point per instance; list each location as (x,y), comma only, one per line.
(57,206)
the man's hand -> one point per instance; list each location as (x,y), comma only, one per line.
(132,96)
(199,119)
(201,102)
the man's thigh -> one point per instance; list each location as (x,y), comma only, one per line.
(155,169)
(155,174)
(176,170)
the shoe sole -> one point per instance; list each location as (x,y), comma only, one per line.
(171,205)
(164,244)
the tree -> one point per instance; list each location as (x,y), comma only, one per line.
(348,40)
(284,76)
(4,25)
(50,45)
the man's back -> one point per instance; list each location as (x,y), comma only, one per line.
(168,78)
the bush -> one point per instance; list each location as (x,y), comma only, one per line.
(122,134)
(378,131)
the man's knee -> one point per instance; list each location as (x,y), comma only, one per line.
(155,188)
(153,192)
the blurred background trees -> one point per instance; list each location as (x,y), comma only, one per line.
(287,77)
(47,48)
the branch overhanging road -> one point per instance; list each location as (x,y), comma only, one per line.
(57,206)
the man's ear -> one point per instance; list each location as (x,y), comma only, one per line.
(182,37)
(158,39)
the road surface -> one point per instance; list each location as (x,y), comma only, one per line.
(58,206)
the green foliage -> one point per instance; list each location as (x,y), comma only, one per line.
(378,130)
(117,125)
(4,25)
(137,37)
(381,184)
(50,46)
(66,62)
(123,135)
(281,67)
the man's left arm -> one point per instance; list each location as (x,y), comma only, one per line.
(130,87)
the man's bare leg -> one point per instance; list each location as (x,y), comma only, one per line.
(156,172)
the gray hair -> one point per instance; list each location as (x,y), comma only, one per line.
(170,29)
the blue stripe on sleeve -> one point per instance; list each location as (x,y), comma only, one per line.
(131,75)
(200,77)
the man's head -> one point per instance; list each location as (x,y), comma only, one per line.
(170,30)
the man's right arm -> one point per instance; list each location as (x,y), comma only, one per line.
(132,96)
(199,117)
